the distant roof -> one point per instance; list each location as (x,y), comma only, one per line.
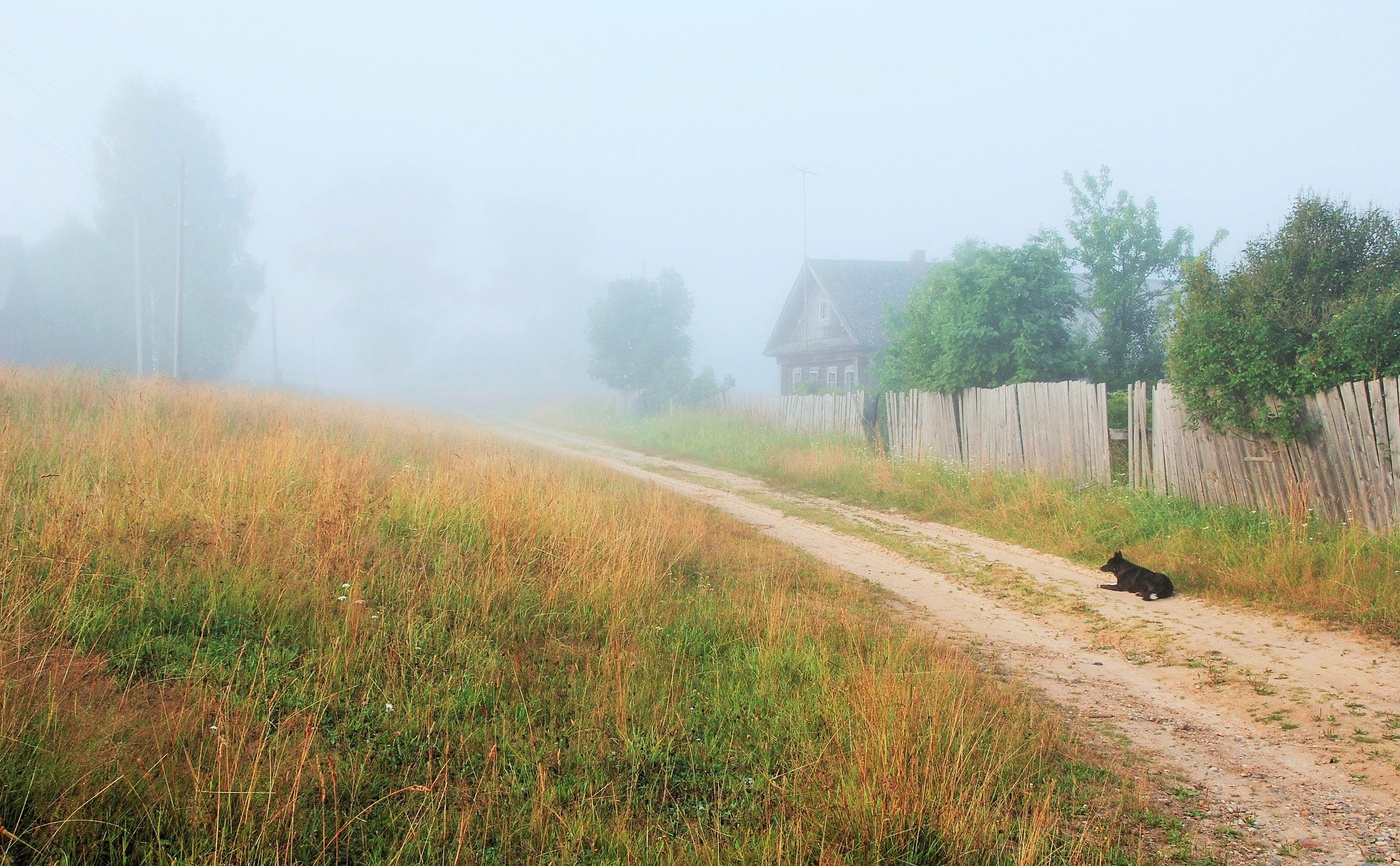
(862,293)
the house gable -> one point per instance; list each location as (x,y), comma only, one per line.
(833,321)
(860,295)
(811,320)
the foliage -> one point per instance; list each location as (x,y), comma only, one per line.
(705,386)
(247,628)
(151,133)
(808,387)
(638,334)
(82,307)
(1118,409)
(989,316)
(1130,267)
(53,315)
(1313,305)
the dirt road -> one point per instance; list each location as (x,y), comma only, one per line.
(1275,736)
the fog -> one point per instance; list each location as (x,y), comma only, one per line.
(441,190)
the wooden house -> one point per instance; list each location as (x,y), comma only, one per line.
(833,323)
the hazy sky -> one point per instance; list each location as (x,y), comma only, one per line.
(555,146)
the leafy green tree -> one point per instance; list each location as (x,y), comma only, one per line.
(1312,306)
(1130,267)
(81,304)
(989,316)
(150,134)
(639,340)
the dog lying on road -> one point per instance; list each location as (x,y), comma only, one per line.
(1148,584)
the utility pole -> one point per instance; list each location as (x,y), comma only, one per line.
(179,265)
(804,172)
(136,284)
(276,368)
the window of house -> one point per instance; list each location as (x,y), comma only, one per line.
(831,377)
(797,375)
(850,376)
(812,374)
(823,313)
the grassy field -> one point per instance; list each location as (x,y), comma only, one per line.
(247,628)
(1337,574)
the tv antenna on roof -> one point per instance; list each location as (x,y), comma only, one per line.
(804,172)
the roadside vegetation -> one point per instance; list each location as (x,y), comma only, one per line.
(1319,570)
(250,628)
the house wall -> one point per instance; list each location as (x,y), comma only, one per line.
(812,325)
(823,364)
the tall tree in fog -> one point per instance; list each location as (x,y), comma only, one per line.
(638,334)
(1130,268)
(79,305)
(153,136)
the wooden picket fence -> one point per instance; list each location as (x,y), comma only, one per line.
(1345,473)
(817,414)
(923,424)
(1139,443)
(1057,429)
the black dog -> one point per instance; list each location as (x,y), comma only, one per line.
(1132,577)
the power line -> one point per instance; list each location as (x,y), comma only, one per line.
(71,160)
(42,95)
(54,87)
(66,157)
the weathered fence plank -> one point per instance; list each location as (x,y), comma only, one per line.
(817,414)
(1345,473)
(1139,439)
(1058,429)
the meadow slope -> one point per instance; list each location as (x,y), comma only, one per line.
(250,628)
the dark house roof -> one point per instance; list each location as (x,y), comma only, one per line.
(861,292)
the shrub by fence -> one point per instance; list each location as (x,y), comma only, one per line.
(1058,429)
(1346,472)
(805,413)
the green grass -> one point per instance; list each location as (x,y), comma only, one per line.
(1319,570)
(248,628)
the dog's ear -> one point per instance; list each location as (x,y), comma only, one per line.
(1117,554)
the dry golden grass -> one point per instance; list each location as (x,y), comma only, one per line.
(240,627)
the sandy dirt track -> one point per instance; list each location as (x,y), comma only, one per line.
(1277,735)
